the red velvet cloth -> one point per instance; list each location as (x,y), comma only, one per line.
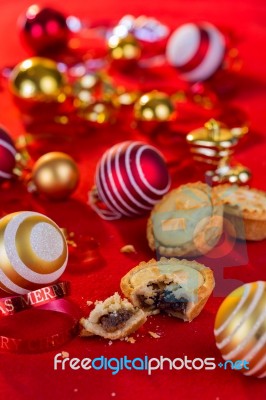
(33,376)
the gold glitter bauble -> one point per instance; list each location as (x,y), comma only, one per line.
(37,79)
(33,252)
(154,106)
(124,48)
(240,328)
(85,89)
(55,175)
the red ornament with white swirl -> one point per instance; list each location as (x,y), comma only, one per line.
(33,252)
(130,178)
(196,50)
(240,329)
(7,155)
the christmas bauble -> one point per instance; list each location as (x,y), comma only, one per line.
(196,50)
(124,47)
(130,178)
(7,155)
(33,252)
(37,79)
(98,113)
(55,175)
(240,328)
(154,106)
(44,30)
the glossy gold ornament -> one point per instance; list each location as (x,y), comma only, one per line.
(226,171)
(33,252)
(55,175)
(214,141)
(99,113)
(85,89)
(214,144)
(154,106)
(240,328)
(38,79)
(124,48)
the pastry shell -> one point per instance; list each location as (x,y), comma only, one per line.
(139,280)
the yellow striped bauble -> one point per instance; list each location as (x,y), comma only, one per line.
(240,328)
(33,252)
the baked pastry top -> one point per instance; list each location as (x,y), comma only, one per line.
(178,287)
(187,221)
(244,211)
(113,318)
(251,203)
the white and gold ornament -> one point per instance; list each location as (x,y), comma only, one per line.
(33,252)
(240,328)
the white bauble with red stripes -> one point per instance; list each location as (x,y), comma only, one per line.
(130,178)
(7,155)
(196,50)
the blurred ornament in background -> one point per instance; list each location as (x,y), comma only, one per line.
(34,252)
(37,79)
(44,30)
(154,106)
(196,50)
(130,178)
(86,89)
(98,113)
(55,175)
(8,154)
(124,48)
(214,144)
(240,328)
(143,28)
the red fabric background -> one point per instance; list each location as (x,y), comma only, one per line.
(32,376)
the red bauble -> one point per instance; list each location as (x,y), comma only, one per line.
(130,178)
(7,155)
(44,30)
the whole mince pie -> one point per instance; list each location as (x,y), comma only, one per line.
(113,318)
(179,288)
(244,211)
(186,222)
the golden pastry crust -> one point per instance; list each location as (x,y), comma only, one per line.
(207,230)
(149,284)
(244,211)
(113,318)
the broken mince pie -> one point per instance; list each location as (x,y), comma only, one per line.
(113,318)
(244,211)
(186,222)
(178,287)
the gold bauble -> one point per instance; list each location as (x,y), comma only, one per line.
(85,89)
(55,175)
(99,113)
(124,48)
(37,79)
(154,106)
(240,328)
(33,252)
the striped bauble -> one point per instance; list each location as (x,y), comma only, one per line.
(240,328)
(130,178)
(7,155)
(196,50)
(33,252)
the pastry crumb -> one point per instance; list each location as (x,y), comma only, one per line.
(128,248)
(65,354)
(110,343)
(154,335)
(89,303)
(113,394)
(131,340)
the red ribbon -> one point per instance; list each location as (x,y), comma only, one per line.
(200,54)
(58,316)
